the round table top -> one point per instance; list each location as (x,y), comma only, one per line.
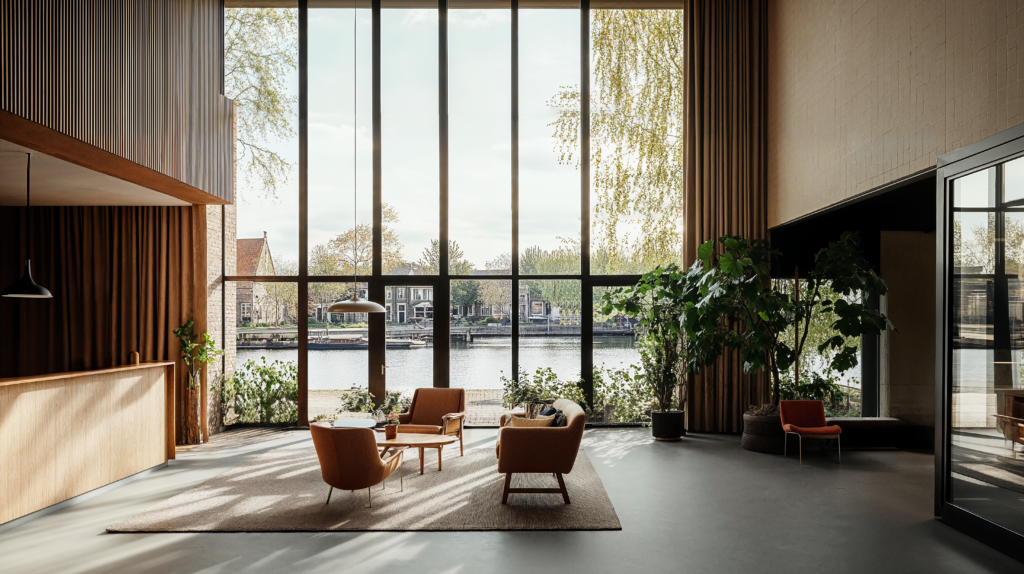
(416,440)
(354,423)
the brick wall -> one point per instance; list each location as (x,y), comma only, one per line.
(863,93)
(216,221)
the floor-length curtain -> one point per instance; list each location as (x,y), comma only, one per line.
(726,171)
(122,279)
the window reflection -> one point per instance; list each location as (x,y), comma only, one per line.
(987,332)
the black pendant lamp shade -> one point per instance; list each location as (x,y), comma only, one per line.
(27,288)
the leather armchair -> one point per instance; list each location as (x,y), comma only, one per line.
(435,411)
(349,458)
(541,450)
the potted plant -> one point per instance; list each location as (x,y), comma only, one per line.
(391,428)
(655,301)
(732,303)
(195,356)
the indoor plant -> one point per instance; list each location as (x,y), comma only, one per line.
(732,303)
(655,302)
(195,355)
(391,428)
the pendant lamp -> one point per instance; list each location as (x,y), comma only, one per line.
(355,304)
(26,288)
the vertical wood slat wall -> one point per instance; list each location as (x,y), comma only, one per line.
(139,79)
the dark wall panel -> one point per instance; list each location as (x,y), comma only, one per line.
(138,79)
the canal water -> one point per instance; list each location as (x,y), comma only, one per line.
(476,365)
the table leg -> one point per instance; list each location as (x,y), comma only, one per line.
(421,460)
(385,451)
(439,457)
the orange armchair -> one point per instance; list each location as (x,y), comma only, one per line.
(435,411)
(548,450)
(349,458)
(807,419)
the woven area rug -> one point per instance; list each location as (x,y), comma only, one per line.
(282,491)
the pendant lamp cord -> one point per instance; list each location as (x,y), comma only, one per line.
(355,159)
(28,203)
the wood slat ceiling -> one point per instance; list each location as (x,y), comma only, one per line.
(137,81)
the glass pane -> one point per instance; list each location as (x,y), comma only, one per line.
(987,342)
(481,345)
(976,190)
(617,366)
(338,349)
(409,141)
(636,126)
(266,208)
(337,136)
(974,249)
(266,320)
(409,315)
(550,337)
(1014,176)
(549,180)
(480,169)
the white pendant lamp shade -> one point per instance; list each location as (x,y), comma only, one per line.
(356,305)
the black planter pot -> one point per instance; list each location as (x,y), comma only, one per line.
(668,425)
(763,434)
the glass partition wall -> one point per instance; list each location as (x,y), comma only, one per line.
(980,448)
(496,200)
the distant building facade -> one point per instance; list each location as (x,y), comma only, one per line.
(253,305)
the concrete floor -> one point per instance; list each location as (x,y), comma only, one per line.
(700,505)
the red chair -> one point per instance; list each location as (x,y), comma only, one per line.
(807,419)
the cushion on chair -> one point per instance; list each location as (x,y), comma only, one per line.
(524,422)
(420,429)
(812,430)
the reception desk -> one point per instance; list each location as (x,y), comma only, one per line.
(66,434)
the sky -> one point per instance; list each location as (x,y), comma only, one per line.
(479,124)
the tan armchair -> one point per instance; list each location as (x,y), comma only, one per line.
(435,411)
(541,450)
(349,458)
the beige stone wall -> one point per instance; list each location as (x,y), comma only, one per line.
(215,222)
(863,93)
(907,382)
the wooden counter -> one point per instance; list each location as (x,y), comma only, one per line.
(64,434)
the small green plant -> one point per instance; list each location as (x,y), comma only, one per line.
(361,401)
(492,320)
(543,385)
(194,354)
(263,393)
(838,399)
(628,389)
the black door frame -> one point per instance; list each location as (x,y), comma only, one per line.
(992,151)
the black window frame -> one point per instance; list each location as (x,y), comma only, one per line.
(440,283)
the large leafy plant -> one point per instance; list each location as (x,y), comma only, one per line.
(732,303)
(656,302)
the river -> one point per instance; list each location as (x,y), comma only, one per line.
(476,365)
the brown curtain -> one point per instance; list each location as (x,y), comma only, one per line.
(122,279)
(726,171)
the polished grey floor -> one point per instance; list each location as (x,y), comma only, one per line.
(700,505)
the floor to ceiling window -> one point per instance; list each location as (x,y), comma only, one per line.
(509,159)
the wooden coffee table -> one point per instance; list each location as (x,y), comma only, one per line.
(414,440)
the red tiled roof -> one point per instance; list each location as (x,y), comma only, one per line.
(249,255)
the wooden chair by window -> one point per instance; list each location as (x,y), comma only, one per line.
(435,411)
